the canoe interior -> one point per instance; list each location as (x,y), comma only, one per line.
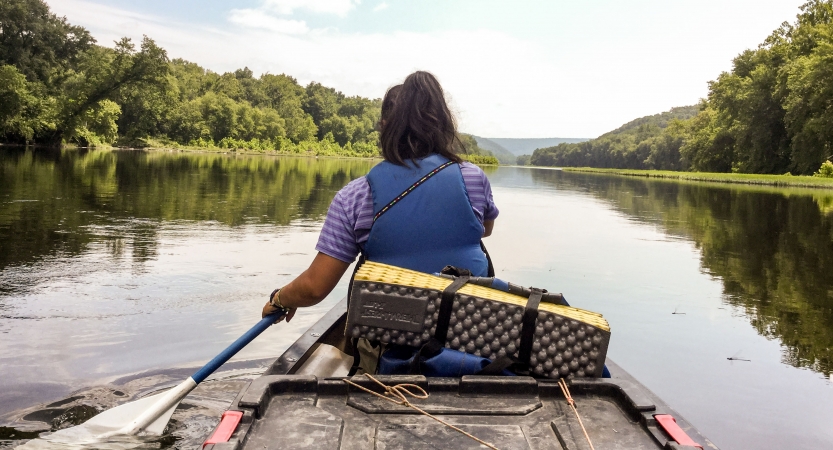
(284,410)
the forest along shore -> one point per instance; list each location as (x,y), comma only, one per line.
(799,181)
(61,88)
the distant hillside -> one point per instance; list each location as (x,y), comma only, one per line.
(526,146)
(643,143)
(475,153)
(661,120)
(502,154)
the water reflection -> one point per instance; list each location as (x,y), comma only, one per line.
(58,202)
(119,270)
(772,249)
(145,265)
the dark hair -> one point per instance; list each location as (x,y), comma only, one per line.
(416,122)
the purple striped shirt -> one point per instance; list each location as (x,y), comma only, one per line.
(350,215)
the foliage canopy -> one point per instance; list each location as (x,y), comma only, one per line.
(58,87)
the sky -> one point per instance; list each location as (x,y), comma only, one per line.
(510,69)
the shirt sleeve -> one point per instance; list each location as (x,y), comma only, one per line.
(491,212)
(480,192)
(338,235)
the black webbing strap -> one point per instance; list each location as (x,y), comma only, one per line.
(428,350)
(491,270)
(417,184)
(528,325)
(446,303)
(357,357)
(497,366)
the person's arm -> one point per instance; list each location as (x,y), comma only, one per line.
(480,195)
(312,286)
(488,225)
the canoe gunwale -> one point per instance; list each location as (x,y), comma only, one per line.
(325,330)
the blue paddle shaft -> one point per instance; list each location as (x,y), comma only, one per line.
(232,349)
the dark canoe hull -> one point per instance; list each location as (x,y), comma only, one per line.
(283,409)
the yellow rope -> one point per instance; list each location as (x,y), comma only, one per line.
(399,391)
(563,385)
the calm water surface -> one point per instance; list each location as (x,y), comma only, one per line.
(121,271)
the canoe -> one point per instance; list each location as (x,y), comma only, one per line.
(303,402)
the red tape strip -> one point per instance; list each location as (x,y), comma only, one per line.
(669,424)
(228,423)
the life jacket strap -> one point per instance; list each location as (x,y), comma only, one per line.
(410,189)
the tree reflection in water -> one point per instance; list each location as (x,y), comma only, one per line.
(771,248)
(57,202)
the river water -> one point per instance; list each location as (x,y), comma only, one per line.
(122,271)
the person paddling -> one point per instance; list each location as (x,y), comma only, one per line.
(422,208)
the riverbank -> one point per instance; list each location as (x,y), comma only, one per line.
(306,149)
(735,178)
(480,160)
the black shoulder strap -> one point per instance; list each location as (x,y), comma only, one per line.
(410,189)
(491,269)
(444,316)
(357,357)
(528,325)
(359,264)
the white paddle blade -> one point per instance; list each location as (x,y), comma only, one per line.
(150,414)
(117,418)
(112,428)
(99,432)
(158,427)
(160,411)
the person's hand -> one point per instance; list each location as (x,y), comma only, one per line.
(269,309)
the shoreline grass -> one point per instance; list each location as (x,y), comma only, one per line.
(248,152)
(802,181)
(479,160)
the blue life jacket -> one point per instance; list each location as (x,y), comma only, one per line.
(431,227)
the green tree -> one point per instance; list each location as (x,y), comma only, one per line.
(187,123)
(40,44)
(651,142)
(103,74)
(220,115)
(708,146)
(59,87)
(771,113)
(23,113)
(321,103)
(809,84)
(96,126)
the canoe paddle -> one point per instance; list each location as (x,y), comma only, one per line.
(152,413)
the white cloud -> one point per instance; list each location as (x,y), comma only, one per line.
(287,7)
(381,6)
(253,18)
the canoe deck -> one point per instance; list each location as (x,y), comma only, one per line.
(296,404)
